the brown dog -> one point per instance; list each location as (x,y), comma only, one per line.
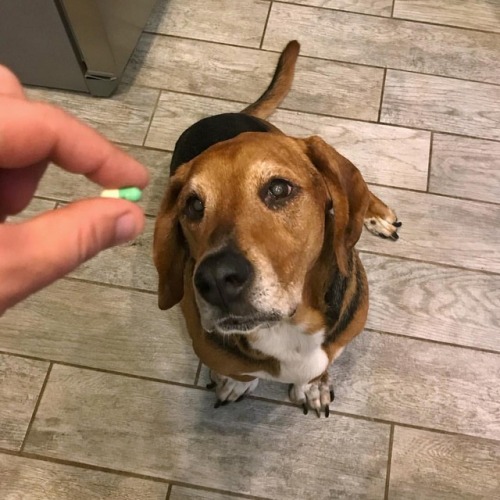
(255,236)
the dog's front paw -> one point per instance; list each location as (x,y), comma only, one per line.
(228,389)
(316,396)
(385,225)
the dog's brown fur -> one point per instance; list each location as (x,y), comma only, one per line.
(309,251)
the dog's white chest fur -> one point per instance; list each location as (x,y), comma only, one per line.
(300,353)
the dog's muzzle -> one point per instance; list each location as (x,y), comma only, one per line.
(223,279)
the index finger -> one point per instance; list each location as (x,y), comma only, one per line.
(31,132)
(9,84)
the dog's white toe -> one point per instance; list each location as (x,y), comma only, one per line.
(316,396)
(384,226)
(228,389)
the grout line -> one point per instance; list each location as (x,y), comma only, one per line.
(264,399)
(389,463)
(370,252)
(47,198)
(440,195)
(198,373)
(392,8)
(155,108)
(315,113)
(59,202)
(139,146)
(366,14)
(195,384)
(152,216)
(308,56)
(265,25)
(427,190)
(125,473)
(37,404)
(257,49)
(433,341)
(110,285)
(213,490)
(453,26)
(105,370)
(429,262)
(376,420)
(340,117)
(435,75)
(128,375)
(381,96)
(460,198)
(169,492)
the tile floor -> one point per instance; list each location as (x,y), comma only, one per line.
(101,395)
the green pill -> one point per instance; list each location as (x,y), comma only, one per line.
(125,193)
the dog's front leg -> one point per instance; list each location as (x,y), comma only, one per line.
(229,389)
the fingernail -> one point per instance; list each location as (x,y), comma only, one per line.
(126,229)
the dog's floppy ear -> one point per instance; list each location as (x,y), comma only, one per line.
(348,193)
(169,247)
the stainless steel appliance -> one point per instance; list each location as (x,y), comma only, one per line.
(81,45)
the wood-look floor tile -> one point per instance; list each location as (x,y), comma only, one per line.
(242,74)
(441,230)
(375,7)
(32,479)
(433,302)
(386,155)
(182,493)
(124,117)
(20,383)
(420,383)
(174,432)
(384,42)
(129,265)
(176,112)
(475,14)
(224,21)
(442,104)
(61,185)
(340,89)
(465,167)
(442,467)
(101,327)
(393,156)
(414,382)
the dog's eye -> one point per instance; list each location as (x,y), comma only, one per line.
(276,192)
(279,189)
(194,208)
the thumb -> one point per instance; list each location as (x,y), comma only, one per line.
(41,250)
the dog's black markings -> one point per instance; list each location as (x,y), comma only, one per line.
(334,297)
(209,131)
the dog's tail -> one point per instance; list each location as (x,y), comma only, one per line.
(280,84)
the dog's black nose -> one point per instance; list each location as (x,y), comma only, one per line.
(222,278)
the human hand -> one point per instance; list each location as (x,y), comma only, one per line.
(45,248)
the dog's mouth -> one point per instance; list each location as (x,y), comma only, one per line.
(245,324)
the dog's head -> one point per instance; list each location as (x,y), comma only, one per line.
(254,216)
